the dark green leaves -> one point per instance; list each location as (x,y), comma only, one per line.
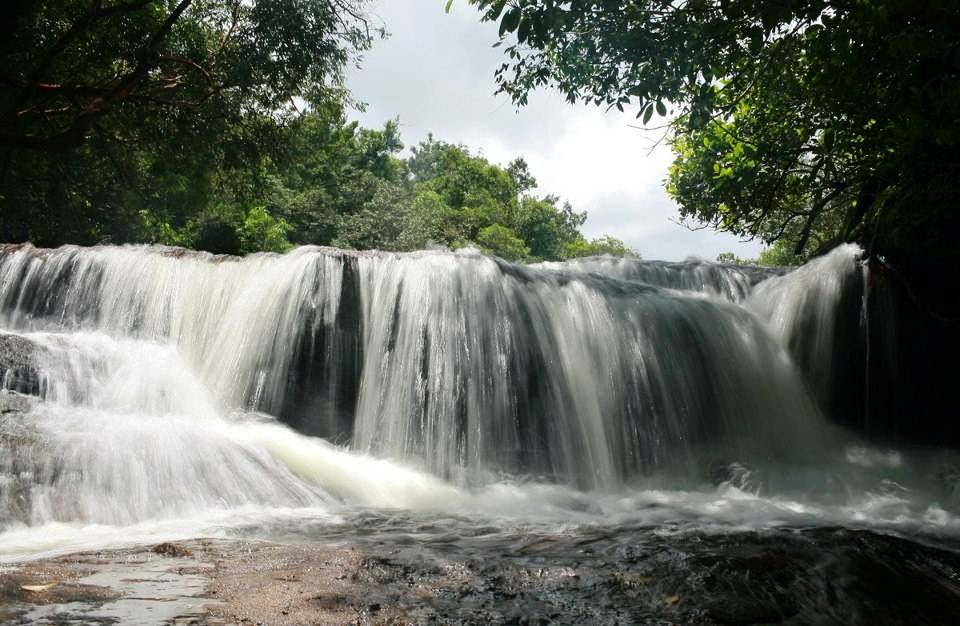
(813,31)
(773,15)
(523,31)
(510,21)
(828,139)
(648,113)
(494,9)
(820,96)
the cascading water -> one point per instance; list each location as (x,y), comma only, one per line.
(801,310)
(732,282)
(169,382)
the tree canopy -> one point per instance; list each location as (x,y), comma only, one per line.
(349,187)
(222,125)
(810,122)
(73,68)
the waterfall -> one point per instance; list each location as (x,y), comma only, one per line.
(732,282)
(802,310)
(168,379)
(472,364)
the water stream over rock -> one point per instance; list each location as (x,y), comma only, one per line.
(153,393)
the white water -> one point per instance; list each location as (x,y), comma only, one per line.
(598,391)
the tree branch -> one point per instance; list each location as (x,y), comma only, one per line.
(88,115)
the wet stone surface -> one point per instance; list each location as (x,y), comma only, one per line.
(19,370)
(117,587)
(395,572)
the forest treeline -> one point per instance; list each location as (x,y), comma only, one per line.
(325,181)
(222,125)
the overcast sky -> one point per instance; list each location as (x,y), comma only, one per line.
(435,72)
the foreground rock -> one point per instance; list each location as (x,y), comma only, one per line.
(638,576)
(21,454)
(19,367)
(13,402)
(130,587)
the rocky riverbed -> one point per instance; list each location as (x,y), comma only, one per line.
(392,572)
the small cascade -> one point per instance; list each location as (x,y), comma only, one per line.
(126,432)
(732,282)
(805,309)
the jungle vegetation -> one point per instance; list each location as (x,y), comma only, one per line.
(805,123)
(223,125)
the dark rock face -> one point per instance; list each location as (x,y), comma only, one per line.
(20,447)
(13,402)
(323,383)
(895,362)
(593,575)
(600,575)
(912,375)
(21,457)
(19,369)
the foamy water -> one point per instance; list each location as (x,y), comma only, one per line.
(594,393)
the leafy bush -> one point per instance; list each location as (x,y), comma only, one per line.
(502,242)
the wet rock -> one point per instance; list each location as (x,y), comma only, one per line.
(171,549)
(13,402)
(48,584)
(22,454)
(744,611)
(19,368)
(636,576)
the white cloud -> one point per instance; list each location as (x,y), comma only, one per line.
(436,72)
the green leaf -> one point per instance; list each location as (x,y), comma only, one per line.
(524,31)
(661,109)
(446,9)
(539,26)
(648,114)
(772,15)
(510,21)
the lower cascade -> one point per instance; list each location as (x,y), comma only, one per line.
(144,386)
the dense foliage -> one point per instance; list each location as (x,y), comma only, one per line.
(77,68)
(221,125)
(806,122)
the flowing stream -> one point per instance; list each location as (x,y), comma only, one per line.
(180,395)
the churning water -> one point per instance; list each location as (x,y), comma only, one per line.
(181,394)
